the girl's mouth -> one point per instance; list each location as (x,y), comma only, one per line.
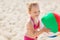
(36,15)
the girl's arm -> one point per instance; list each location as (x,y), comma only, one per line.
(32,31)
(46,30)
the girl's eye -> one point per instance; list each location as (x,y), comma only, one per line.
(38,11)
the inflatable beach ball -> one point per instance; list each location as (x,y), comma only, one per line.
(52,21)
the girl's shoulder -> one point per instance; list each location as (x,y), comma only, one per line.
(29,22)
(29,25)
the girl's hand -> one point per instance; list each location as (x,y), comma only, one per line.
(58,34)
(46,30)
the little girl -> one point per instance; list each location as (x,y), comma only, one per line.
(34,23)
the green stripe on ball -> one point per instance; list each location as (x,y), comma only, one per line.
(50,22)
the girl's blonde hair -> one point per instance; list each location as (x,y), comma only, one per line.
(32,5)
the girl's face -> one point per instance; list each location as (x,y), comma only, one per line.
(34,12)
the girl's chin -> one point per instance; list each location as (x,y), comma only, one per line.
(36,17)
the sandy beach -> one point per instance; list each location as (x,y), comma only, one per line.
(13,17)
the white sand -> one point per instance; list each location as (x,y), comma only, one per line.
(13,16)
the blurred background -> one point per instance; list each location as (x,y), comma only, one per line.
(13,17)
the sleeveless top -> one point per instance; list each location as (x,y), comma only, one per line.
(36,26)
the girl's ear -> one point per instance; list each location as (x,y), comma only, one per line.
(29,12)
